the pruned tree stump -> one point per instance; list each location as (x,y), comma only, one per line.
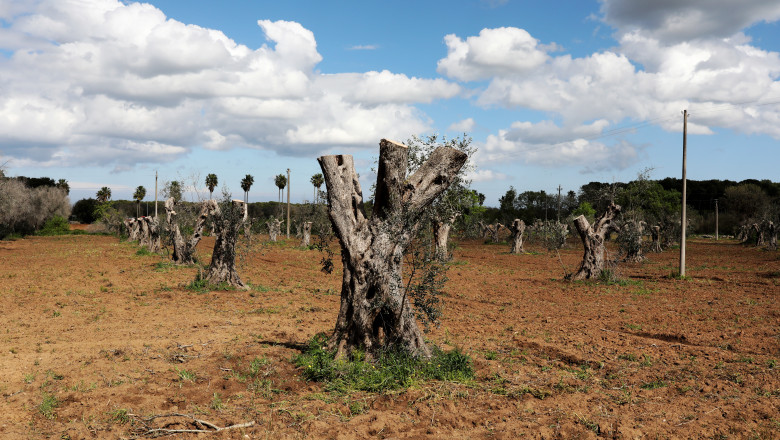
(518,229)
(228,221)
(184,250)
(593,241)
(375,310)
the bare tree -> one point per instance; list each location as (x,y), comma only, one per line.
(153,226)
(274,228)
(306,234)
(375,310)
(593,241)
(184,251)
(228,217)
(518,228)
(655,234)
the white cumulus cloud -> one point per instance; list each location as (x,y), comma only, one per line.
(106,82)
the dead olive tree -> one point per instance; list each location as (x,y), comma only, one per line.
(153,226)
(134,229)
(184,250)
(593,241)
(375,309)
(630,240)
(144,237)
(655,234)
(518,229)
(274,228)
(441,235)
(306,234)
(228,219)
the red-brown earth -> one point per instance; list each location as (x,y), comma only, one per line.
(96,337)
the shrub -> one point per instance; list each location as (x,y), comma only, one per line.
(55,226)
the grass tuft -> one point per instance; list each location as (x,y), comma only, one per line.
(391,369)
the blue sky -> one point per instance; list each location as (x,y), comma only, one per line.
(105,93)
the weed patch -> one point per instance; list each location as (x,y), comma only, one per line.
(392,369)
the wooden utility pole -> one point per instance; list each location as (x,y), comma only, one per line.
(288,203)
(155,194)
(559,203)
(684,219)
(716,219)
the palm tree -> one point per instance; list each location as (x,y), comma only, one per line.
(246,184)
(138,195)
(211,182)
(317,180)
(281,182)
(104,194)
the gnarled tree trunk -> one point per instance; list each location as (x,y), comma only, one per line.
(441,236)
(593,241)
(306,234)
(483,228)
(655,234)
(129,225)
(771,231)
(274,228)
(227,226)
(153,226)
(761,233)
(184,251)
(518,229)
(634,230)
(135,229)
(144,237)
(375,310)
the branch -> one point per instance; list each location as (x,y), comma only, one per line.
(433,177)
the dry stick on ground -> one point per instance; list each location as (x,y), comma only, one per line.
(207,427)
(184,251)
(593,241)
(374,308)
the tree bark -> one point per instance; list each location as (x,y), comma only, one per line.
(375,311)
(153,226)
(772,234)
(274,228)
(183,250)
(129,225)
(518,229)
(484,229)
(593,241)
(760,233)
(144,235)
(227,227)
(306,234)
(441,237)
(634,229)
(135,230)
(655,234)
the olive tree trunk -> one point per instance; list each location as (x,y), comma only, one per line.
(184,250)
(771,231)
(593,241)
(153,226)
(274,228)
(135,229)
(634,230)
(227,227)
(306,234)
(761,233)
(375,310)
(441,236)
(518,229)
(144,237)
(655,234)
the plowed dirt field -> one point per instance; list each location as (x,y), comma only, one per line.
(96,340)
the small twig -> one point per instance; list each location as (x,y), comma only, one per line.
(159,432)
